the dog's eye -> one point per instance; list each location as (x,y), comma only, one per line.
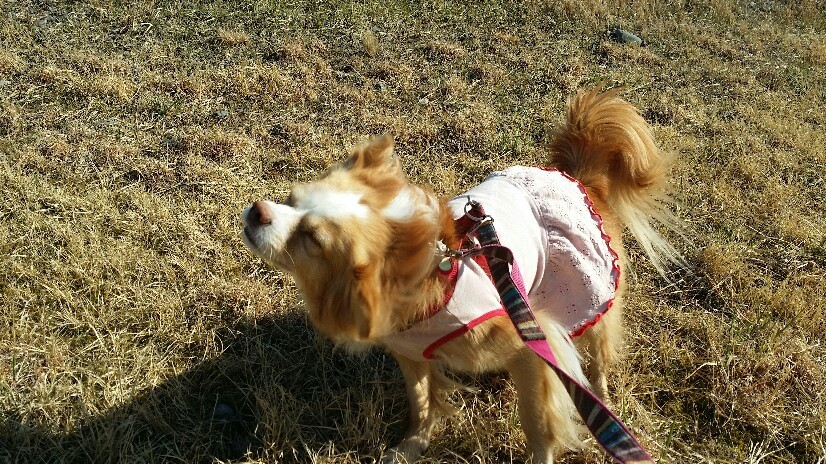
(311,242)
(290,201)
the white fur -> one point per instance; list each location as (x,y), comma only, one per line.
(566,354)
(266,239)
(402,207)
(333,204)
(408,202)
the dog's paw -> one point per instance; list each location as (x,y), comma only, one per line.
(407,452)
(398,456)
(393,457)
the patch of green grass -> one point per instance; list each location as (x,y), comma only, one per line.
(134,326)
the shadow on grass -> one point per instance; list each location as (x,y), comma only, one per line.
(276,392)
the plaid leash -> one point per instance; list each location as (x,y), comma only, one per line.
(609,431)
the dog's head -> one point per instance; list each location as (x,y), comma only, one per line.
(356,240)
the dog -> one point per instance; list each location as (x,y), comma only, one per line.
(370,252)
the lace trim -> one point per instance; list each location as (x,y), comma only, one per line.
(615,267)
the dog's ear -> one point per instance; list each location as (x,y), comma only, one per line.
(372,314)
(351,305)
(376,153)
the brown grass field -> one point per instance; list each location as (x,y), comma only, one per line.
(135,326)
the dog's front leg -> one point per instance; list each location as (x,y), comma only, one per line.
(422,391)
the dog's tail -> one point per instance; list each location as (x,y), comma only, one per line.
(607,145)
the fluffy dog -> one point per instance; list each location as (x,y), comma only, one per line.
(368,250)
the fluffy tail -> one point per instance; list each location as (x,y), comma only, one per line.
(608,146)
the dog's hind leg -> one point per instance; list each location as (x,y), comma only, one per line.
(532,379)
(545,409)
(426,394)
(601,344)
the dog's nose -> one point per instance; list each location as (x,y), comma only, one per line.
(259,214)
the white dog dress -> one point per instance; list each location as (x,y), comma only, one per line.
(560,248)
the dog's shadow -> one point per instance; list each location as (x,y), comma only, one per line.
(277,391)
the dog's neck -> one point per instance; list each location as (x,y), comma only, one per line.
(430,293)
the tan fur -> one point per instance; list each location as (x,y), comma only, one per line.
(371,276)
(608,146)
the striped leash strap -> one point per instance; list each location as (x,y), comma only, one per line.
(609,431)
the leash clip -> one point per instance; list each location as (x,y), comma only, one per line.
(474,206)
(476,213)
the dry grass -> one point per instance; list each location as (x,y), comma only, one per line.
(135,327)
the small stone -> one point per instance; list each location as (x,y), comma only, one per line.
(623,36)
(424,101)
(223,412)
(221,114)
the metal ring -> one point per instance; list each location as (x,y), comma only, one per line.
(468,206)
